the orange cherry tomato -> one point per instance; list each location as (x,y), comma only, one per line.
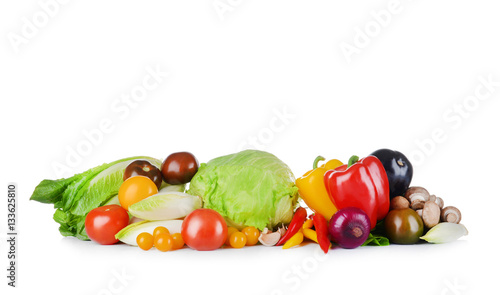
(145,241)
(134,189)
(160,230)
(230,231)
(178,241)
(164,242)
(252,234)
(238,240)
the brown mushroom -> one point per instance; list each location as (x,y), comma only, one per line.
(440,202)
(437,200)
(417,204)
(432,198)
(419,212)
(417,196)
(399,202)
(417,190)
(431,214)
(451,214)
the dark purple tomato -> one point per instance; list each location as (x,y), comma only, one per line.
(143,168)
(403,226)
(179,168)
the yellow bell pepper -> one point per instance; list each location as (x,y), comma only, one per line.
(312,188)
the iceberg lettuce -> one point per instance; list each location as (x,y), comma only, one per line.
(249,188)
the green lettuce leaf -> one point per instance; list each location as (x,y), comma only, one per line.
(75,196)
(51,191)
(249,188)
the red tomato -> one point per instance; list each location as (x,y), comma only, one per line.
(103,223)
(204,230)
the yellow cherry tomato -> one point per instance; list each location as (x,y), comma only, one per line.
(160,230)
(134,189)
(252,235)
(178,241)
(230,231)
(145,241)
(238,240)
(164,242)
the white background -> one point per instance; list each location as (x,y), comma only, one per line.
(270,70)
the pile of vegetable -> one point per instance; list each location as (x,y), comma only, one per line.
(249,198)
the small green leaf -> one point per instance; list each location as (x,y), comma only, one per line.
(376,240)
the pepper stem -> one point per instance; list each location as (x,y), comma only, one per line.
(316,161)
(352,161)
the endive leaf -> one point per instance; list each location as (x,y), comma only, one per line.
(445,232)
(129,234)
(165,206)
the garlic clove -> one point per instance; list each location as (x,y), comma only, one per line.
(269,238)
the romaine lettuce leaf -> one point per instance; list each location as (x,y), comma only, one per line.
(74,197)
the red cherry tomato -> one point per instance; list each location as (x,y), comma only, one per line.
(204,230)
(103,223)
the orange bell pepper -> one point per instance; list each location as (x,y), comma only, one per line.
(312,188)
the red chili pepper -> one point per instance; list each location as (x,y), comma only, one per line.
(321,226)
(295,225)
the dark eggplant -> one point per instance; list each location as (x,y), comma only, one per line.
(398,168)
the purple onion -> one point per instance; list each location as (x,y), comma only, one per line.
(349,227)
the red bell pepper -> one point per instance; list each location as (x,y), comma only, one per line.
(363,184)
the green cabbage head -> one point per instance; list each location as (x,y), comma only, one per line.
(249,188)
